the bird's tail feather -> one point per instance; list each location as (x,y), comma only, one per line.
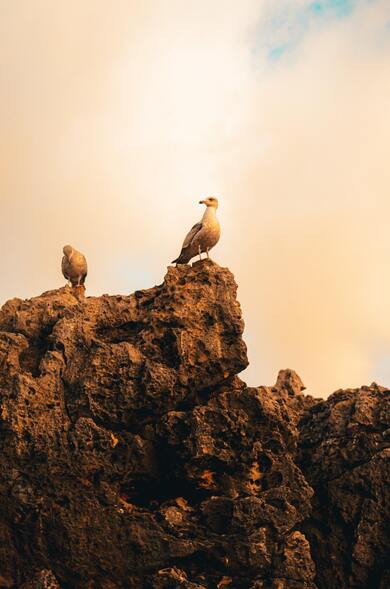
(180,260)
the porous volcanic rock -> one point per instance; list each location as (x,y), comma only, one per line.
(345,455)
(133,457)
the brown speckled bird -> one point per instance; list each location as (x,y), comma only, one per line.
(74,266)
(203,236)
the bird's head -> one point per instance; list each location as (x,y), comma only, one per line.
(68,250)
(210,201)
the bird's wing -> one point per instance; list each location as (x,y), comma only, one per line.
(190,237)
(79,263)
(64,267)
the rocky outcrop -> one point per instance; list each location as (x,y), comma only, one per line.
(345,455)
(132,455)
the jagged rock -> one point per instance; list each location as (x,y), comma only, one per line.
(345,456)
(288,391)
(172,577)
(132,456)
(43,579)
(289,381)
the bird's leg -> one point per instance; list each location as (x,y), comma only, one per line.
(207,252)
(200,253)
(68,282)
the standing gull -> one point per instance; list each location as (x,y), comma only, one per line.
(203,236)
(74,266)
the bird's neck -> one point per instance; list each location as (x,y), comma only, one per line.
(209,215)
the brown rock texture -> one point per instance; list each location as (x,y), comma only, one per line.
(345,455)
(132,455)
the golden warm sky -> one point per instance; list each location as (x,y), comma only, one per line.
(116,117)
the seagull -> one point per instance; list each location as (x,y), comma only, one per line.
(74,266)
(203,236)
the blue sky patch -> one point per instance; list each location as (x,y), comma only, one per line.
(317,7)
(338,8)
(286,25)
(277,52)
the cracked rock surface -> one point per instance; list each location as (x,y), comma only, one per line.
(345,455)
(132,455)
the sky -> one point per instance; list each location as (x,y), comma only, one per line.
(116,118)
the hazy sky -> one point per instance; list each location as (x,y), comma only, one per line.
(117,117)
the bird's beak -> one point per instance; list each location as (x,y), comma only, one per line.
(201,202)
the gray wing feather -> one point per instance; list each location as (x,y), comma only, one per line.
(190,237)
(65,268)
